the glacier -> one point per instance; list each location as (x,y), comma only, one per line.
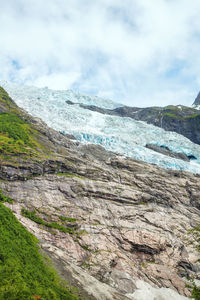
(121,135)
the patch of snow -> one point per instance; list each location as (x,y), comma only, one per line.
(145,291)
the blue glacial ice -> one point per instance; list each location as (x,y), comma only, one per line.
(122,135)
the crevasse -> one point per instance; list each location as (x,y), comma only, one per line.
(122,135)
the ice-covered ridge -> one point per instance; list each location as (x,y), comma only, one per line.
(123,135)
(58,96)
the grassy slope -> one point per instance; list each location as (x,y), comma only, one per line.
(181,114)
(18,137)
(24,272)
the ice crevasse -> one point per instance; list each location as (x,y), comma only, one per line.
(122,135)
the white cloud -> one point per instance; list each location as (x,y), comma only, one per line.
(56,81)
(139,52)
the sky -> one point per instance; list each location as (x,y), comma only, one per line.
(136,52)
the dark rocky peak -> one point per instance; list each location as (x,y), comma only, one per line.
(197,100)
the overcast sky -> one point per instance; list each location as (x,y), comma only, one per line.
(138,52)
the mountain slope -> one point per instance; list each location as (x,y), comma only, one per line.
(122,135)
(117,227)
(181,119)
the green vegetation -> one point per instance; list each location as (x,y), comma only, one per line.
(14,135)
(170,114)
(144,265)
(71,220)
(69,175)
(196,235)
(17,137)
(3,93)
(87,264)
(191,116)
(177,116)
(85,247)
(183,108)
(32,216)
(175,112)
(4,198)
(5,100)
(23,271)
(196,293)
(14,127)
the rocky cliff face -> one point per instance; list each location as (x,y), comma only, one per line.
(115,227)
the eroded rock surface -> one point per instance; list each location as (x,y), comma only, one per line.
(131,220)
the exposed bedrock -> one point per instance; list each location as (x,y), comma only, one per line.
(131,221)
